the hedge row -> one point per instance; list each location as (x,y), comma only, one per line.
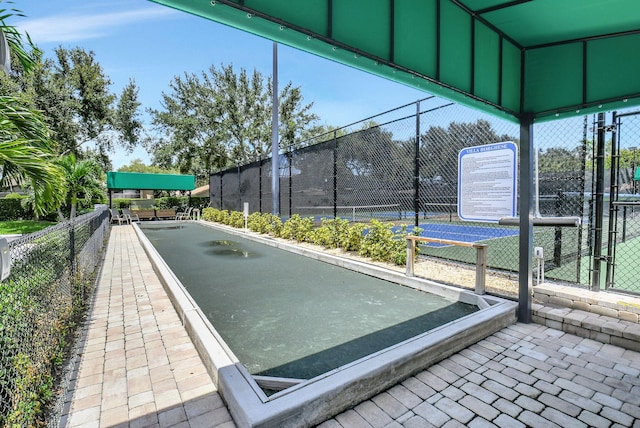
(166,202)
(14,207)
(376,240)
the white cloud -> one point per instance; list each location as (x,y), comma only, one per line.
(76,26)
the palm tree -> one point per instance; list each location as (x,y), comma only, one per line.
(25,144)
(82,181)
(25,154)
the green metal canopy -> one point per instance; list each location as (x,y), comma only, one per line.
(545,58)
(525,60)
(139,181)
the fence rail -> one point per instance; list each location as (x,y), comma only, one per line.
(40,303)
(481,257)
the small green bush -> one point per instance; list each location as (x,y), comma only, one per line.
(298,229)
(12,207)
(222,216)
(168,202)
(121,203)
(209,214)
(330,233)
(274,226)
(353,237)
(257,223)
(377,243)
(236,219)
(264,223)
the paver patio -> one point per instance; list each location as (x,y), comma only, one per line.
(139,368)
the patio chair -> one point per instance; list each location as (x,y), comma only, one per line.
(186,215)
(130,216)
(115,215)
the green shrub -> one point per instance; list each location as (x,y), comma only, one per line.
(199,202)
(380,243)
(298,229)
(256,223)
(209,214)
(352,238)
(121,203)
(330,233)
(377,243)
(236,219)
(169,202)
(222,216)
(274,225)
(13,208)
(259,222)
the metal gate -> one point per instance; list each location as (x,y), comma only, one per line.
(623,232)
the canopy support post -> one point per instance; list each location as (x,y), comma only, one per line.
(275,145)
(525,278)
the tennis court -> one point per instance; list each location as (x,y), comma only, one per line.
(462,232)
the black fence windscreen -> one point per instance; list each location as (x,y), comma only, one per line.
(402,166)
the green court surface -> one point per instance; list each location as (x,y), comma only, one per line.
(287,315)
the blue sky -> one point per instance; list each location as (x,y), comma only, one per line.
(150,43)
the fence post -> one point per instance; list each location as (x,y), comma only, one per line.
(599,203)
(335,174)
(260,186)
(624,224)
(557,239)
(221,187)
(239,189)
(411,250)
(481,268)
(416,169)
(613,196)
(72,254)
(290,159)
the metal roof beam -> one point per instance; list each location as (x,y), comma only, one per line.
(585,39)
(477,16)
(501,6)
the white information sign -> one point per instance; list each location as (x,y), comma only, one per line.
(487,177)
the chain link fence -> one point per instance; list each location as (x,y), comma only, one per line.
(402,166)
(623,210)
(41,302)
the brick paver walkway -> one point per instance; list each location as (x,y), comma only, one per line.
(526,375)
(139,368)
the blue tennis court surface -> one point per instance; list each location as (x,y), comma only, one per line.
(464,233)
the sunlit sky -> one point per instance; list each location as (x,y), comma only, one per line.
(140,40)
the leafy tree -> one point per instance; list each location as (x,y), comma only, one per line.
(439,148)
(296,122)
(137,165)
(218,118)
(83,181)
(560,160)
(80,108)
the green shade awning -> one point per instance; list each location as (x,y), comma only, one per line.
(140,181)
(546,58)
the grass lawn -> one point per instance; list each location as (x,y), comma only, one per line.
(23,226)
